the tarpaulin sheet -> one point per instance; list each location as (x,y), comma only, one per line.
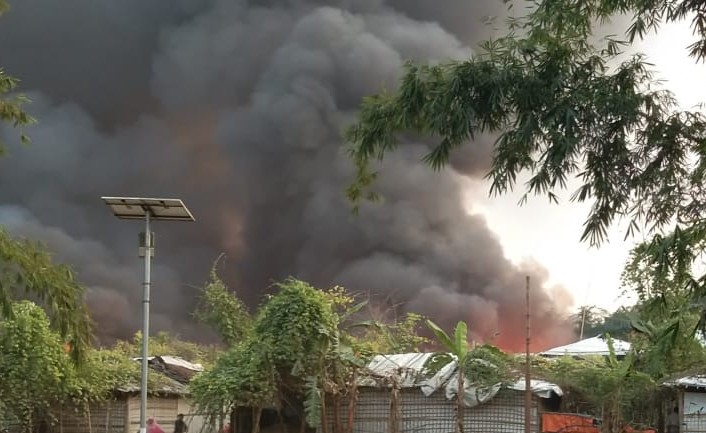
(575,423)
(568,423)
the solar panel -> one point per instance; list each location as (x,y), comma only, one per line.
(158,208)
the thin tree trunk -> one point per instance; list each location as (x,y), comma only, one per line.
(257,412)
(394,408)
(88,414)
(352,401)
(337,427)
(459,400)
(324,420)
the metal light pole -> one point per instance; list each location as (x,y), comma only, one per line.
(147,209)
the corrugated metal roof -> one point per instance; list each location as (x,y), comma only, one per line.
(172,372)
(408,370)
(697,381)
(589,346)
(173,360)
(181,362)
(165,385)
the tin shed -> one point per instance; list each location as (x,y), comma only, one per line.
(121,413)
(397,395)
(690,400)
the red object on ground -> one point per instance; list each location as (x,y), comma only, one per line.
(568,423)
(575,423)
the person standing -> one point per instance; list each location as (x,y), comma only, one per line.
(153,426)
(180,425)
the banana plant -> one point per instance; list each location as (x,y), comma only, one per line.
(458,346)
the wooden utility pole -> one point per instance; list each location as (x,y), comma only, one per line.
(528,381)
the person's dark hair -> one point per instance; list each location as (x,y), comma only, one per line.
(676,409)
(181,415)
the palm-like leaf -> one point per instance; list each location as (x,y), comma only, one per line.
(442,337)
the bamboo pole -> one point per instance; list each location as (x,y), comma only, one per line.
(528,380)
(352,401)
(394,421)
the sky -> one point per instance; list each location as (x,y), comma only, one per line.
(592,275)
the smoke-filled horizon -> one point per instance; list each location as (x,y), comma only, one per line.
(237,107)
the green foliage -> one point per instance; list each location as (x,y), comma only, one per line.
(486,365)
(27,269)
(597,321)
(103,371)
(664,337)
(304,343)
(648,15)
(34,366)
(481,366)
(37,374)
(243,376)
(609,388)
(382,337)
(671,304)
(223,311)
(11,104)
(165,344)
(561,112)
(404,335)
(296,325)
(294,349)
(457,344)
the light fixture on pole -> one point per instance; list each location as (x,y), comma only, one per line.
(147,209)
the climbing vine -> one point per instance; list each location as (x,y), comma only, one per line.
(222,310)
(305,343)
(612,389)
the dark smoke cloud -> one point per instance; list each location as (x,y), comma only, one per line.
(237,107)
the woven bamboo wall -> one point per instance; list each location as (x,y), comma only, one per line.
(695,423)
(108,417)
(196,421)
(163,409)
(433,414)
(122,415)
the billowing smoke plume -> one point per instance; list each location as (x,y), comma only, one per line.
(237,106)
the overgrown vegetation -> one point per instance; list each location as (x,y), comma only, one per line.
(223,311)
(28,271)
(38,376)
(11,103)
(567,109)
(613,389)
(304,344)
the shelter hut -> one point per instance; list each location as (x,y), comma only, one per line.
(594,346)
(168,396)
(401,394)
(689,397)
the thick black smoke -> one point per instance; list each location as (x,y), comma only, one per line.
(237,106)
